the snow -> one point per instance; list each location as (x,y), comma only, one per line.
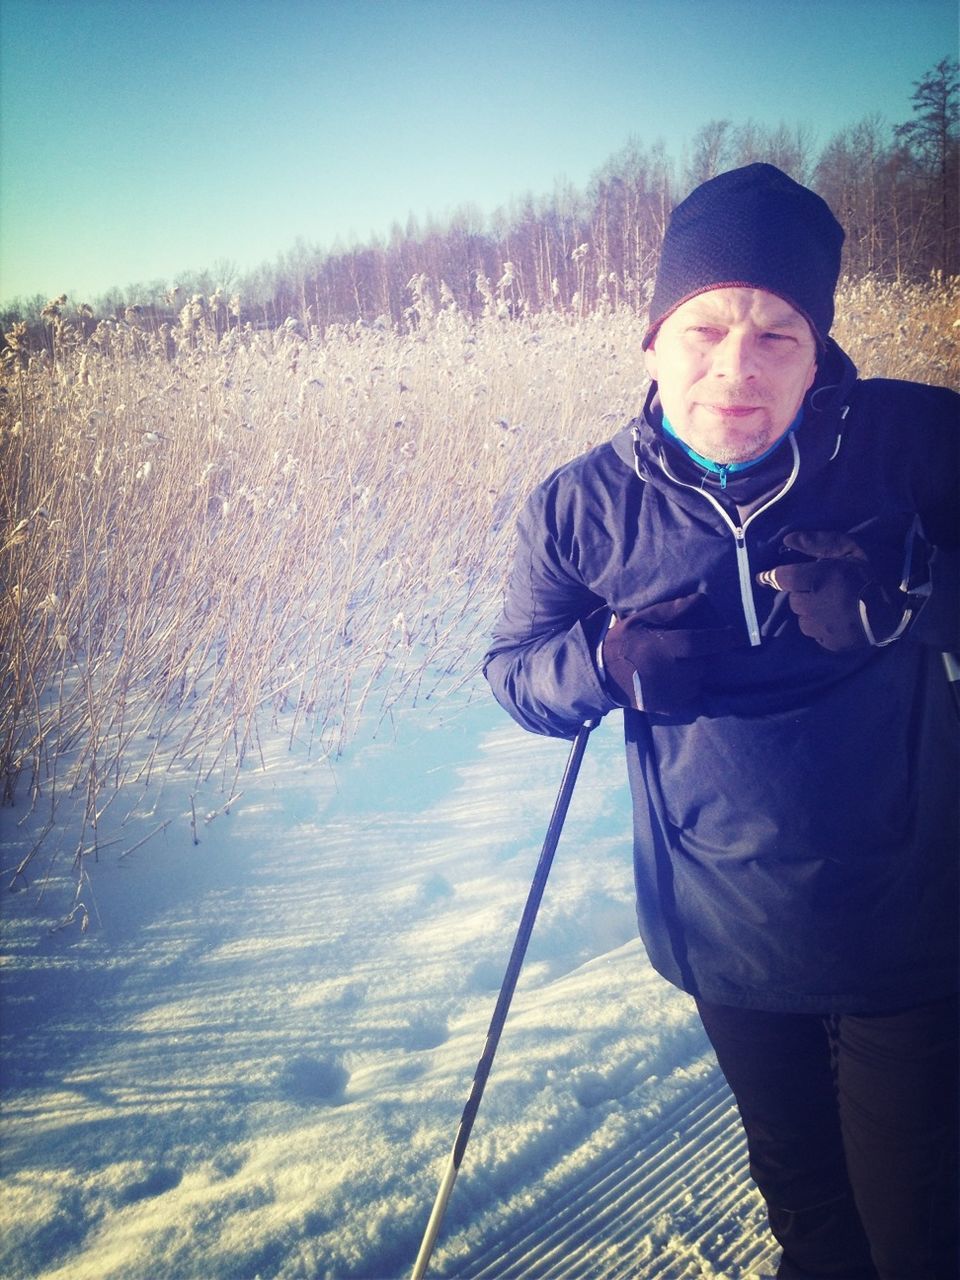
(253,1062)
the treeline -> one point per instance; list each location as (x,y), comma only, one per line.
(894,188)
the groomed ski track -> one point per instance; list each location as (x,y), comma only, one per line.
(671,1203)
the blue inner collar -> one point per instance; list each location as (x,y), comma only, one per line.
(724,469)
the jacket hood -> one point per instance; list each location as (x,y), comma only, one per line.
(640,442)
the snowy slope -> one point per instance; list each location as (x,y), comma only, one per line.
(254,1062)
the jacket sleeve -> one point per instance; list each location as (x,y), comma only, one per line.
(542,663)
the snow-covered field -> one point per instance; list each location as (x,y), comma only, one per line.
(254,1061)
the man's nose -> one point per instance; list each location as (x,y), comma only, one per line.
(733,357)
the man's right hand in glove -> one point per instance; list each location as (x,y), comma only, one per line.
(656,658)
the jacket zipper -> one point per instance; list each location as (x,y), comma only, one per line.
(739,532)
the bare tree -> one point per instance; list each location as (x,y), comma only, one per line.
(853,176)
(932,137)
(711,153)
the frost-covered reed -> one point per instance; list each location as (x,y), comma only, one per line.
(203,539)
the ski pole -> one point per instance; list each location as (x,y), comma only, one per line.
(506,995)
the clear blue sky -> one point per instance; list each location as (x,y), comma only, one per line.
(144,138)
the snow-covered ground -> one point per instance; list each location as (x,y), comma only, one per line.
(254,1061)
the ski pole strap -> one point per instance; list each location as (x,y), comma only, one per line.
(951,665)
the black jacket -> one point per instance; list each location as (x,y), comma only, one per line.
(796,839)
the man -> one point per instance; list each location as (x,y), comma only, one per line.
(762,571)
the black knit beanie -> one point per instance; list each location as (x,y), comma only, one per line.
(753,227)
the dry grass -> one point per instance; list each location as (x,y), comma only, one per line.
(203,541)
(902,331)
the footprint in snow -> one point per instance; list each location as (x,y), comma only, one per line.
(164,1178)
(308,1081)
(590,1088)
(422,1033)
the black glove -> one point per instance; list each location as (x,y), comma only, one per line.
(840,598)
(655,658)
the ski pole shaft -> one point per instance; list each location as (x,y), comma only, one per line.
(507,988)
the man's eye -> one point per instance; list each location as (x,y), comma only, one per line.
(776,337)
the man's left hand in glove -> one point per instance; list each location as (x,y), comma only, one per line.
(840,599)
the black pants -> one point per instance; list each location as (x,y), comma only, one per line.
(852,1131)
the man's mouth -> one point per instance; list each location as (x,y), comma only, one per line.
(734,410)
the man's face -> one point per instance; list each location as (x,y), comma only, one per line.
(732,367)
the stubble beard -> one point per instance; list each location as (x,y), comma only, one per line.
(742,450)
(735,446)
